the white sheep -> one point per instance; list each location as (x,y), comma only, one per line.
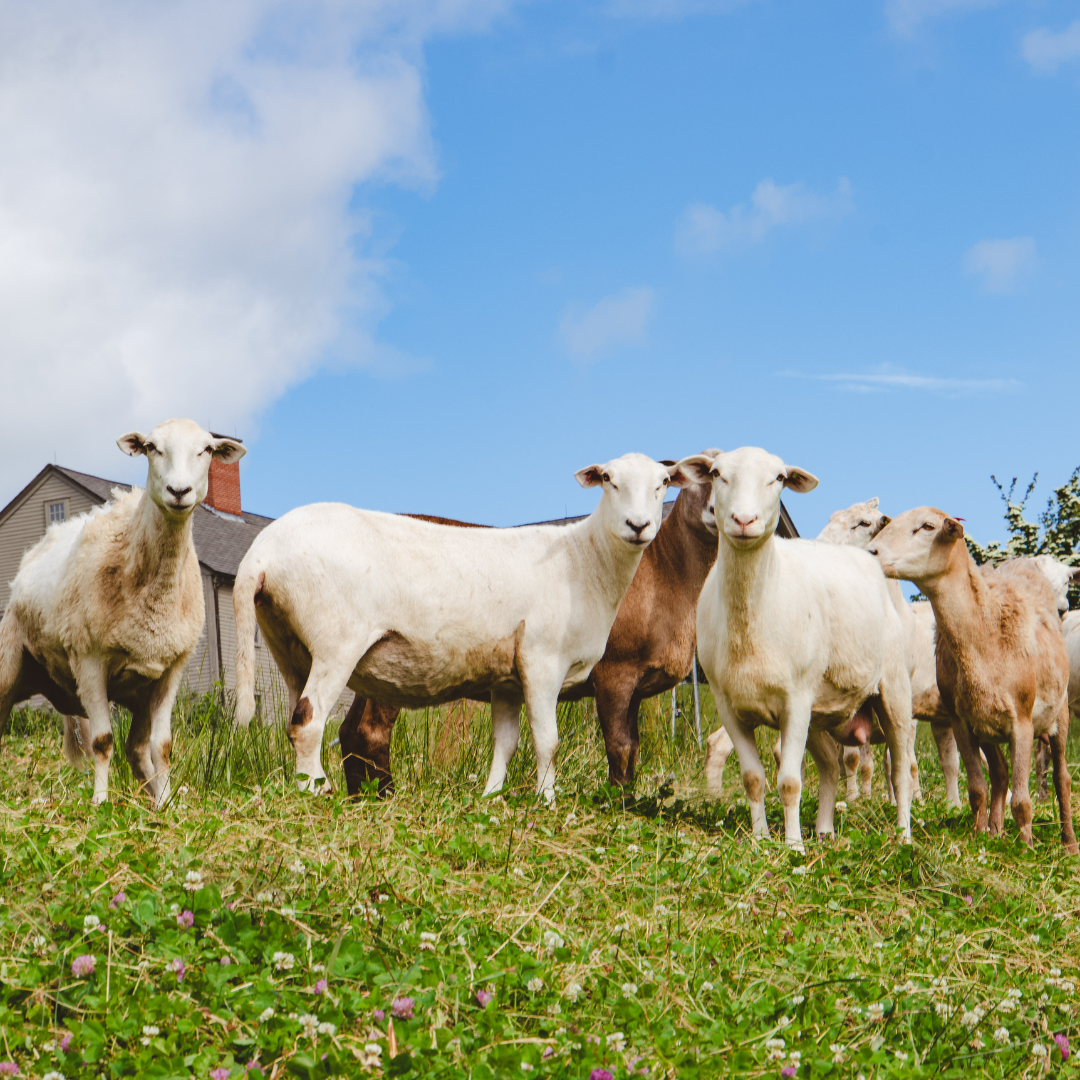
(109,606)
(411,613)
(796,635)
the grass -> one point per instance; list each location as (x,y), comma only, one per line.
(442,934)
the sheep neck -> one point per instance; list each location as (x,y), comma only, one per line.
(683,555)
(616,563)
(157,550)
(961,601)
(744,578)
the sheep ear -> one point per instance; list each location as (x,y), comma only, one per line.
(697,467)
(228,450)
(885,519)
(677,477)
(590,476)
(133,443)
(872,503)
(1074,576)
(800,480)
(952,528)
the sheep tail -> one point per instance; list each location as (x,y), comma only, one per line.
(249,582)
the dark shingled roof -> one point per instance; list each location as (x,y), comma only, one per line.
(221,540)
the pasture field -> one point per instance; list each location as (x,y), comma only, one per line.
(248,930)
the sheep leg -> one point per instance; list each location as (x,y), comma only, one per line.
(823,749)
(365,736)
(161,708)
(1042,762)
(794,731)
(505,716)
(950,760)
(541,702)
(753,775)
(718,749)
(91,679)
(1021,745)
(325,683)
(1062,781)
(976,782)
(11,665)
(617,708)
(866,769)
(893,708)
(999,785)
(916,788)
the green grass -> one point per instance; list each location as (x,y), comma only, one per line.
(695,950)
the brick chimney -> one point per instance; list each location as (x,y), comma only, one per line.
(223,489)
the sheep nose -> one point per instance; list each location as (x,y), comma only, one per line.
(639,529)
(744,521)
(177,494)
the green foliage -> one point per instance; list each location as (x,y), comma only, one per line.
(645,936)
(1058,537)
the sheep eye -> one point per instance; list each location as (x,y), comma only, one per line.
(780,478)
(863,525)
(208,450)
(606,478)
(151,448)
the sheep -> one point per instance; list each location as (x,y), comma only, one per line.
(1002,664)
(795,635)
(410,613)
(109,606)
(650,649)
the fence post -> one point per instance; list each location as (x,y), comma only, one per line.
(673,714)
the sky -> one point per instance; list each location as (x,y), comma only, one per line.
(436,256)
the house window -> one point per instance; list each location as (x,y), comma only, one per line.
(258,638)
(56,512)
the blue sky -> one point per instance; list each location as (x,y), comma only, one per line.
(847,232)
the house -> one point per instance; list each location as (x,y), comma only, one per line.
(223,533)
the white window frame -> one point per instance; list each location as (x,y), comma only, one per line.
(66,503)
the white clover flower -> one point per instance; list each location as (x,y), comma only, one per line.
(616,1042)
(1007,1005)
(799,870)
(1001,1035)
(629,989)
(661,910)
(573,991)
(942,1009)
(633,849)
(284,961)
(837,1054)
(900,1055)
(309,1023)
(1035,939)
(288,912)
(174,909)
(940,983)
(493,820)
(518,872)
(326,1028)
(552,941)
(783,1021)
(601,851)
(39,941)
(461,941)
(795,1056)
(1055,971)
(706,986)
(265,897)
(1014,993)
(372,1056)
(526,1067)
(91,922)
(971,1018)
(775,1047)
(741,905)
(149,1032)
(798,999)
(1040,1051)
(297,867)
(54,1075)
(266,1014)
(535,985)
(841,806)
(620,928)
(193,882)
(879,944)
(1044,998)
(472,777)
(876,1010)
(555,1010)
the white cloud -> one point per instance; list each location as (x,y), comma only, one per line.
(905,15)
(702,229)
(889,378)
(670,9)
(178,222)
(1045,51)
(615,322)
(1001,263)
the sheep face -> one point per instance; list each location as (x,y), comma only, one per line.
(855,526)
(917,544)
(178,455)
(633,500)
(1060,575)
(747,485)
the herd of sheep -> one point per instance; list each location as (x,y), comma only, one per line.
(812,638)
